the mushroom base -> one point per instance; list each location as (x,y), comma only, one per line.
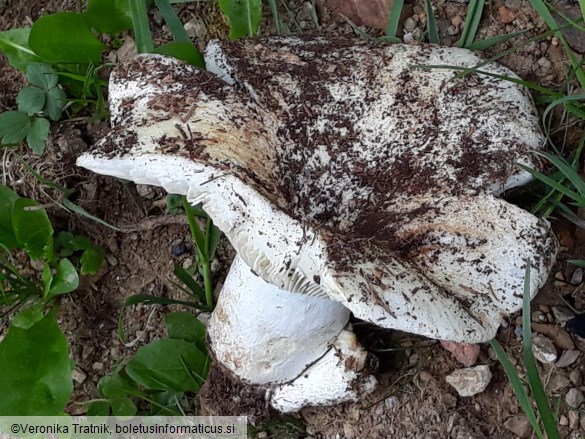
(292,345)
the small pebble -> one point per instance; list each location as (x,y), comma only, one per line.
(543,349)
(568,358)
(408,38)
(97,366)
(558,383)
(576,377)
(519,425)
(514,5)
(457,21)
(145,190)
(409,24)
(573,419)
(78,375)
(425,376)
(112,260)
(538,316)
(450,400)
(574,398)
(577,277)
(471,380)
(391,402)
(563,420)
(180,249)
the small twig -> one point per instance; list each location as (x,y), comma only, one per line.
(154,222)
(139,336)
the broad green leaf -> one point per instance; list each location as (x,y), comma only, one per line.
(67,243)
(91,260)
(65,280)
(28,316)
(243,16)
(47,277)
(7,199)
(109,16)
(165,403)
(42,75)
(116,385)
(65,37)
(38,134)
(174,203)
(32,228)
(169,364)
(99,408)
(56,100)
(14,43)
(183,51)
(14,126)
(184,325)
(123,407)
(36,370)
(31,100)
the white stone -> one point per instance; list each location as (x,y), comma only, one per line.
(574,398)
(544,349)
(471,380)
(568,358)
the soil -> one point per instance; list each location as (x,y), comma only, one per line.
(414,399)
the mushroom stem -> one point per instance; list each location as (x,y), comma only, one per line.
(271,337)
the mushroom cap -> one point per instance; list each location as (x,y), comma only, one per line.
(336,169)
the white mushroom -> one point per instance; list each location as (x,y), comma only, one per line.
(293,344)
(338,171)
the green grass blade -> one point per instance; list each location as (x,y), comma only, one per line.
(173,21)
(142,35)
(394,19)
(567,170)
(517,386)
(473,24)
(577,262)
(563,100)
(546,415)
(530,85)
(514,49)
(81,211)
(275,16)
(196,233)
(190,283)
(554,184)
(431,23)
(494,41)
(568,214)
